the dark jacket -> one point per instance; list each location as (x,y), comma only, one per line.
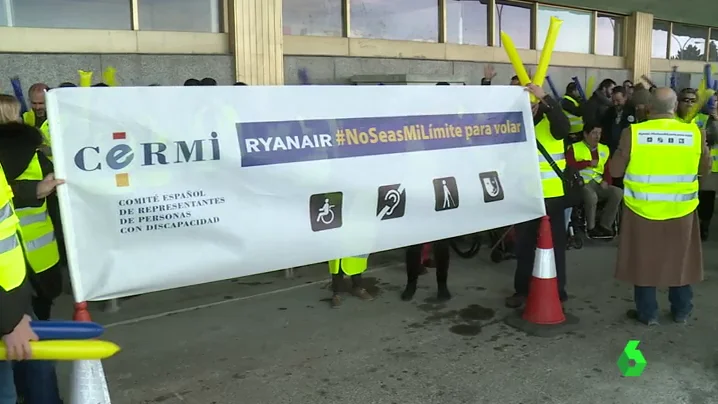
(558,121)
(19,144)
(571,108)
(612,127)
(595,108)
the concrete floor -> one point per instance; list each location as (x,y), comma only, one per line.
(285,345)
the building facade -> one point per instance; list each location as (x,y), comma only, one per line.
(270,41)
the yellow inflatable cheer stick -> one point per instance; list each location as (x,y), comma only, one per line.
(547,51)
(108,76)
(68,350)
(85,78)
(589,85)
(703,97)
(513,55)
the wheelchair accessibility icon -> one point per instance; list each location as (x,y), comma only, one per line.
(325,211)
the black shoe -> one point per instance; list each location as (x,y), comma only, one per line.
(515,301)
(704,233)
(443,294)
(409,291)
(599,232)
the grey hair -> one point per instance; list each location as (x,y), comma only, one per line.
(664,101)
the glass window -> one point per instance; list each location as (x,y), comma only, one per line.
(414,20)
(713,46)
(180,15)
(467,22)
(609,35)
(514,19)
(688,42)
(312,17)
(660,39)
(96,14)
(575,34)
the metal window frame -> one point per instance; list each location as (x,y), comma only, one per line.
(592,28)
(493,24)
(623,32)
(706,46)
(224,11)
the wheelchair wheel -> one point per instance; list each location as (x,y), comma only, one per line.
(466,246)
(576,243)
(497,256)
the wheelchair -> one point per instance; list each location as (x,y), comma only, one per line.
(578,222)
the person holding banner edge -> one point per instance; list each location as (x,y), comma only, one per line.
(35,381)
(552,128)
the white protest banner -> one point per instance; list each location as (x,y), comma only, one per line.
(175,186)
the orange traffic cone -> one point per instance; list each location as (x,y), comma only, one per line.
(543,305)
(88,384)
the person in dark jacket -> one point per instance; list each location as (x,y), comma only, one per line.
(19,144)
(599,103)
(572,104)
(527,232)
(618,117)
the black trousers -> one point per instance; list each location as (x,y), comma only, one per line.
(441,257)
(526,239)
(706,205)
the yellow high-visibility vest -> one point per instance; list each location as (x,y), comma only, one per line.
(582,153)
(12,258)
(661,180)
(29,118)
(350,265)
(701,120)
(552,184)
(714,158)
(576,121)
(38,233)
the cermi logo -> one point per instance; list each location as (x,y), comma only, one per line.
(121,155)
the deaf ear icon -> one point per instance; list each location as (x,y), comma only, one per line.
(395,198)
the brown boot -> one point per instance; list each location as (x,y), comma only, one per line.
(362,294)
(336,301)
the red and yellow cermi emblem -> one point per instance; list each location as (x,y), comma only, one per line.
(122,179)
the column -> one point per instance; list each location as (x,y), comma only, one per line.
(639,40)
(256,38)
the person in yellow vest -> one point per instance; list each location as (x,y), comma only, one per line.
(660,242)
(589,157)
(24,168)
(37,115)
(352,267)
(708,121)
(552,127)
(572,105)
(15,294)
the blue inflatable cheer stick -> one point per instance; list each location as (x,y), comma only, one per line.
(17,90)
(303,76)
(708,74)
(674,77)
(75,330)
(578,87)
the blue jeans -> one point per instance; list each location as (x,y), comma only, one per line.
(43,379)
(7,383)
(681,298)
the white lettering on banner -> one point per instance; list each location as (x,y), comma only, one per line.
(288,143)
(665,138)
(291,177)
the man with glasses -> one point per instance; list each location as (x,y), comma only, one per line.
(706,120)
(628,87)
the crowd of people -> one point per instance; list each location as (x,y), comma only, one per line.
(638,156)
(635,153)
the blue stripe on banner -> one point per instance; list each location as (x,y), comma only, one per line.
(266,143)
